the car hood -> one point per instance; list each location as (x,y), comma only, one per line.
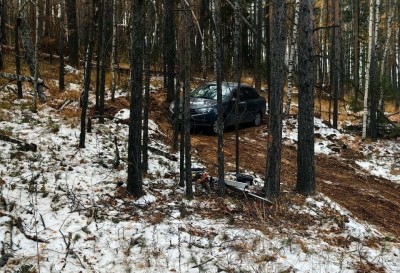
(196,103)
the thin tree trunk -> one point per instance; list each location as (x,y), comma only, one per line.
(220,118)
(291,58)
(186,90)
(386,47)
(35,59)
(336,58)
(87,77)
(17,57)
(356,27)
(30,53)
(371,45)
(237,77)
(114,50)
(2,31)
(99,49)
(305,151)
(103,64)
(274,143)
(374,78)
(170,51)
(61,49)
(258,48)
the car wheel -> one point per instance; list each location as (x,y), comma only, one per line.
(215,127)
(257,119)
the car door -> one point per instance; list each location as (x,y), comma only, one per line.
(250,98)
(230,111)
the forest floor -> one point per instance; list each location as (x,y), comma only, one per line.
(66,209)
(368,197)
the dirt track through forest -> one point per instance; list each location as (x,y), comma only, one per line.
(369,198)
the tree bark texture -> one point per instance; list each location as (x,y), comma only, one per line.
(30,54)
(305,146)
(170,48)
(274,149)
(73,38)
(220,117)
(293,42)
(87,78)
(186,89)
(134,183)
(237,77)
(61,83)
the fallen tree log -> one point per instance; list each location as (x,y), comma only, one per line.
(24,146)
(15,77)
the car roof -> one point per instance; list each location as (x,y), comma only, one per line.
(229,84)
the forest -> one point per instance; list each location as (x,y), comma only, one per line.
(105,168)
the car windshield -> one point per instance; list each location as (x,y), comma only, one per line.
(209,91)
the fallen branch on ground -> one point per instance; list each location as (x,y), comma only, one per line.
(24,146)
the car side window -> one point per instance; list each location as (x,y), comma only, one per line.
(245,93)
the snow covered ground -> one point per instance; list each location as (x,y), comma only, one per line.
(73,201)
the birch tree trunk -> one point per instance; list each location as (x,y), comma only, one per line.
(274,142)
(371,45)
(374,79)
(30,54)
(291,58)
(386,47)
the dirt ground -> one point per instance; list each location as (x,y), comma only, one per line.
(369,198)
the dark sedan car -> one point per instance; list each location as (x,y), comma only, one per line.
(203,105)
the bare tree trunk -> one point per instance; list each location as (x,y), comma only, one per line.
(169,48)
(87,77)
(2,31)
(237,77)
(30,53)
(134,183)
(274,149)
(291,58)
(114,50)
(73,38)
(99,48)
(390,11)
(17,56)
(258,48)
(103,64)
(374,78)
(35,59)
(371,46)
(336,58)
(149,43)
(186,90)
(356,27)
(305,151)
(61,48)
(220,118)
